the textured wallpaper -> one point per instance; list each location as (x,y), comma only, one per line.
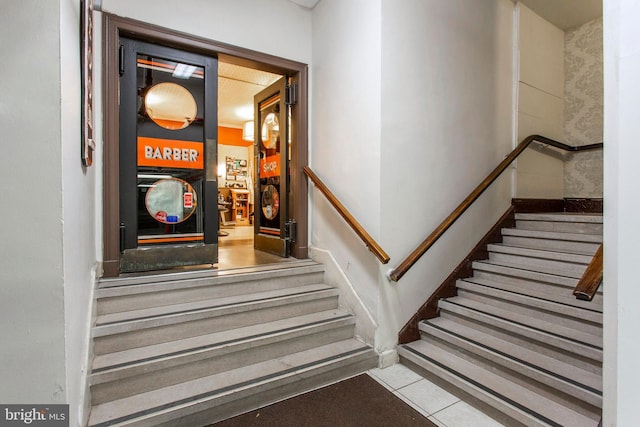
(583,108)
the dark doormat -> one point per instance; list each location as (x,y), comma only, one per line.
(359,401)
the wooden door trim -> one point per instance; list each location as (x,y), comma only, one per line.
(113,28)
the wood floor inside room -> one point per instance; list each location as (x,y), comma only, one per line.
(235,250)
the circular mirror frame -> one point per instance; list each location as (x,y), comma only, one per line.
(163,99)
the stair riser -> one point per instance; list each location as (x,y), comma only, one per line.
(560,227)
(546,292)
(513,320)
(151,376)
(477,392)
(155,335)
(514,416)
(551,245)
(210,410)
(522,277)
(558,317)
(590,361)
(560,217)
(541,255)
(527,376)
(542,265)
(190,293)
(550,299)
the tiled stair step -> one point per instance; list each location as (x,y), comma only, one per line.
(586,244)
(129,372)
(220,396)
(536,307)
(542,255)
(544,265)
(515,275)
(121,331)
(561,217)
(559,224)
(566,246)
(126,294)
(563,376)
(516,315)
(525,333)
(517,271)
(538,290)
(514,400)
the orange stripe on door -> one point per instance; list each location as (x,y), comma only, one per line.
(149,240)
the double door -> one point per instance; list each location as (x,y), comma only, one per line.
(168,160)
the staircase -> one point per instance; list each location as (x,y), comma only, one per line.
(194,348)
(515,340)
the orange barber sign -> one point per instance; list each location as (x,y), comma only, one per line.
(169,153)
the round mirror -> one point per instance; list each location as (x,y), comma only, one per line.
(171,201)
(270,201)
(170,106)
(270,131)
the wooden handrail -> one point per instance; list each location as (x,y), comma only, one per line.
(397,273)
(371,244)
(591,279)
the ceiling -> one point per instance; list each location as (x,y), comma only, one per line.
(566,14)
(236,87)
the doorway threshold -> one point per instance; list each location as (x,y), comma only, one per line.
(199,272)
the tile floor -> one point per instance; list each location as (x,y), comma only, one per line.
(438,405)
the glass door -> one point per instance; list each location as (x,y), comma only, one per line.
(272,149)
(168,141)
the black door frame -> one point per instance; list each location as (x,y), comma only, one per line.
(113,28)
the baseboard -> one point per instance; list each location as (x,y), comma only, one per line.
(537,205)
(568,204)
(365,324)
(583,205)
(388,358)
(429,309)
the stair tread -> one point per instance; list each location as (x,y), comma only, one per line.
(560,217)
(567,371)
(549,271)
(195,306)
(514,271)
(538,253)
(563,298)
(553,235)
(132,283)
(485,382)
(225,384)
(521,331)
(223,338)
(530,322)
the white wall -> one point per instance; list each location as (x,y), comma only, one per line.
(394,90)
(277,27)
(621,226)
(79,218)
(345,133)
(31,262)
(447,108)
(540,103)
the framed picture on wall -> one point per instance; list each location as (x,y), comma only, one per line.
(87,144)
